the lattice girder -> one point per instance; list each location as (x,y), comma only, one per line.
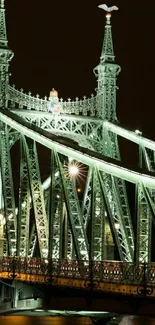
(144,226)
(97,219)
(74,214)
(116,218)
(79,128)
(33,240)
(55,214)
(86,203)
(37,197)
(24,206)
(8,191)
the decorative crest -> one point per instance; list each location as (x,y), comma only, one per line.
(107,9)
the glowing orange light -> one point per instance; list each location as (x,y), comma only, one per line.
(108,15)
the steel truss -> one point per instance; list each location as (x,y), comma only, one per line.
(57,212)
(8,191)
(37,196)
(74,214)
(23,224)
(97,219)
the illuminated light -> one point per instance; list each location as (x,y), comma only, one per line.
(54,107)
(39,310)
(138,132)
(54,93)
(58,196)
(73,170)
(1,216)
(46,261)
(24,204)
(108,15)
(45,250)
(117,225)
(10,216)
(79,190)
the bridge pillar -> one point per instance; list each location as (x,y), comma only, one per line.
(25,296)
(15,295)
(5,296)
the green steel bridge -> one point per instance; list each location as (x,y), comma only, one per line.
(44,218)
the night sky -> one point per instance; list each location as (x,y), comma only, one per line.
(58,43)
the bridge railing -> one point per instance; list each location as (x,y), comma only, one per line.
(86,106)
(103,271)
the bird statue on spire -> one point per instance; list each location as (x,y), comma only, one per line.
(107,9)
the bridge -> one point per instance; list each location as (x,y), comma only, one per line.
(52,231)
(109,276)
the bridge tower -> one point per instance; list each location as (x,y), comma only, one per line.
(5,57)
(43,215)
(106,72)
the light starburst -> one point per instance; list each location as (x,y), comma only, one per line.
(75,170)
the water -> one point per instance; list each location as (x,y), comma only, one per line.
(36,320)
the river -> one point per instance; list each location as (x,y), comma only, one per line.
(36,320)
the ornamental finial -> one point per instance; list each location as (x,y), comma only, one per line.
(108,11)
(2,4)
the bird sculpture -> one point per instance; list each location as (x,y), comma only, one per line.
(108,9)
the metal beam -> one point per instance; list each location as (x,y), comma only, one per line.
(23,224)
(74,214)
(8,191)
(37,197)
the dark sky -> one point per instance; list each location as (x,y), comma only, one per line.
(58,43)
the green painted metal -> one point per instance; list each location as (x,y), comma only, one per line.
(55,213)
(37,197)
(97,219)
(5,56)
(23,220)
(74,213)
(8,191)
(144,226)
(90,122)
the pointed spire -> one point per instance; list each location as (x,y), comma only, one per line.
(106,72)
(5,57)
(107,54)
(3,34)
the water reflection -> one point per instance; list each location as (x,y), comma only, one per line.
(29,320)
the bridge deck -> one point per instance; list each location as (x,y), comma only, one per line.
(106,276)
(79,283)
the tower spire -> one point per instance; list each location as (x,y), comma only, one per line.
(3,34)
(107,54)
(107,71)
(5,57)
